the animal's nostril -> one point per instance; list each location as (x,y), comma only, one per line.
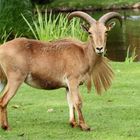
(99,49)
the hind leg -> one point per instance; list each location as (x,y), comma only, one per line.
(3,113)
(10,90)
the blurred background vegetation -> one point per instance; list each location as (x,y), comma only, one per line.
(12,11)
(11,20)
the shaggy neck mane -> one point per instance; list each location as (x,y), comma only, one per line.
(102,75)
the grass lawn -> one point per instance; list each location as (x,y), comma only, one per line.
(113,116)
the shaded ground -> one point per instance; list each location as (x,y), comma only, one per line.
(63,5)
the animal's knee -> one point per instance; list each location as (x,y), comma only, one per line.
(0,101)
(2,104)
(78,103)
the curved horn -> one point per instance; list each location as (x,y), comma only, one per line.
(105,18)
(82,15)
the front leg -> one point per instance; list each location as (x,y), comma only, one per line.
(72,119)
(77,102)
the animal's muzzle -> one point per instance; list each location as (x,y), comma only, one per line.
(99,50)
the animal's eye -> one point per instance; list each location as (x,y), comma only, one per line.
(89,33)
(106,32)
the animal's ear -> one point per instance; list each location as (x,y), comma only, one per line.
(84,27)
(110,25)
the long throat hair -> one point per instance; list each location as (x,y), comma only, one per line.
(101,76)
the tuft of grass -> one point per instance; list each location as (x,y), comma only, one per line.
(130,57)
(49,27)
(7,36)
(4,37)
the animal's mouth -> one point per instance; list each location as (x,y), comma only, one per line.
(99,52)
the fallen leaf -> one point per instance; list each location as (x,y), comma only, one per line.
(50,110)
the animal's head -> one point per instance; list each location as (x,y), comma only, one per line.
(97,30)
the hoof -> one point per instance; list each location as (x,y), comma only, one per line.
(73,124)
(5,127)
(84,127)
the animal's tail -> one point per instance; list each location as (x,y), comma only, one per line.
(101,76)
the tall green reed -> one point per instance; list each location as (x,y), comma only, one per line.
(49,27)
(5,36)
(130,57)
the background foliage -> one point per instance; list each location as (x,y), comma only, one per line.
(48,26)
(11,19)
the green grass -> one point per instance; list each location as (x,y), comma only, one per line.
(114,116)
